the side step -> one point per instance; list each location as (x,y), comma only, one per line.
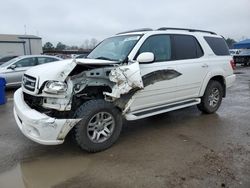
(139,114)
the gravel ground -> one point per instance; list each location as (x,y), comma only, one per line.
(183,148)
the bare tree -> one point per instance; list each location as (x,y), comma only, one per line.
(93,43)
(86,44)
(89,44)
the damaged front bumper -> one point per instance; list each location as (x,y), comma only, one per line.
(38,126)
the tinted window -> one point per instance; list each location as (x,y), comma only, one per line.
(186,47)
(42,60)
(159,45)
(218,45)
(27,62)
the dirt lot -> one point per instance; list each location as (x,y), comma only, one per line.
(178,149)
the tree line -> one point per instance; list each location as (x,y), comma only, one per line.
(87,45)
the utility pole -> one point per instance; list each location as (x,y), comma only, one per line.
(25,29)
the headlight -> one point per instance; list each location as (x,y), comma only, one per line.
(55,87)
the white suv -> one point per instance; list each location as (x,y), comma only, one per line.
(132,75)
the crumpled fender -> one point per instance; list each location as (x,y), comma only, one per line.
(126,77)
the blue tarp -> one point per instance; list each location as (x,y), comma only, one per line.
(242,44)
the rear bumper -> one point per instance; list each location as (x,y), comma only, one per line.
(230,80)
(38,126)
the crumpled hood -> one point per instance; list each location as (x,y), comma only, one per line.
(94,62)
(60,70)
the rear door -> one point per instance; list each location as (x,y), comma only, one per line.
(191,63)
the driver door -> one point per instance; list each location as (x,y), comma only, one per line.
(162,91)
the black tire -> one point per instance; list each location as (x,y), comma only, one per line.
(87,112)
(205,105)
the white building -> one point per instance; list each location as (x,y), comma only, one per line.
(20,45)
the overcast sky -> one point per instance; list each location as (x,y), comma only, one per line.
(73,21)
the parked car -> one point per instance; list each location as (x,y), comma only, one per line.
(81,56)
(243,57)
(14,69)
(7,58)
(131,75)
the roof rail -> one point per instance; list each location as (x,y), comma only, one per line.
(184,29)
(136,30)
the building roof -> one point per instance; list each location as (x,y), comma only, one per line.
(28,37)
(16,38)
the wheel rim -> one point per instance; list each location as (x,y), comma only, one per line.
(214,97)
(100,127)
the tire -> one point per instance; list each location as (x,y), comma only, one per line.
(211,100)
(97,116)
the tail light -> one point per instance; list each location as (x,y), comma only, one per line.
(233,65)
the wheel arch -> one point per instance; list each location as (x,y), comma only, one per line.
(220,78)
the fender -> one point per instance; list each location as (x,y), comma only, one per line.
(208,77)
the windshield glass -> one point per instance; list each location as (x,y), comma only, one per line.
(9,62)
(115,48)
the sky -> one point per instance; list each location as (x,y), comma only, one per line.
(72,22)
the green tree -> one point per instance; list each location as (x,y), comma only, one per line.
(230,42)
(60,46)
(48,46)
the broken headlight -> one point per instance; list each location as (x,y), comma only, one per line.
(55,87)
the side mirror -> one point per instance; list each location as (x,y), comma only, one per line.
(146,57)
(13,66)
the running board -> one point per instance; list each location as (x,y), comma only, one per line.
(139,114)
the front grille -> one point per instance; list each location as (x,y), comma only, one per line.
(29,82)
(32,101)
(35,103)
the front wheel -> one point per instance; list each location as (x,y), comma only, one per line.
(100,126)
(211,100)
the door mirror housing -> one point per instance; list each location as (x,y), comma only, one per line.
(13,66)
(146,57)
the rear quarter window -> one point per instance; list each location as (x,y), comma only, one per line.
(218,45)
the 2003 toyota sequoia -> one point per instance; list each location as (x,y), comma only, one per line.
(132,75)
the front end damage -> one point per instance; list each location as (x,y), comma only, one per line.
(46,113)
(39,127)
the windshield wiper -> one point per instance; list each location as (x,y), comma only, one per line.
(106,58)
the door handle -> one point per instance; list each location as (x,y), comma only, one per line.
(204,65)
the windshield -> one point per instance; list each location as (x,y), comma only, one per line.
(115,48)
(9,62)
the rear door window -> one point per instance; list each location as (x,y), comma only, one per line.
(218,45)
(186,47)
(26,62)
(42,60)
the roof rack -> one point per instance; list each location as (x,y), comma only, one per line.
(136,30)
(184,29)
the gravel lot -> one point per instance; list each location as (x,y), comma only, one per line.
(183,148)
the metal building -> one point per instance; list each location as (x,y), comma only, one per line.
(20,45)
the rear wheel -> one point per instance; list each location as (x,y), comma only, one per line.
(211,100)
(100,126)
